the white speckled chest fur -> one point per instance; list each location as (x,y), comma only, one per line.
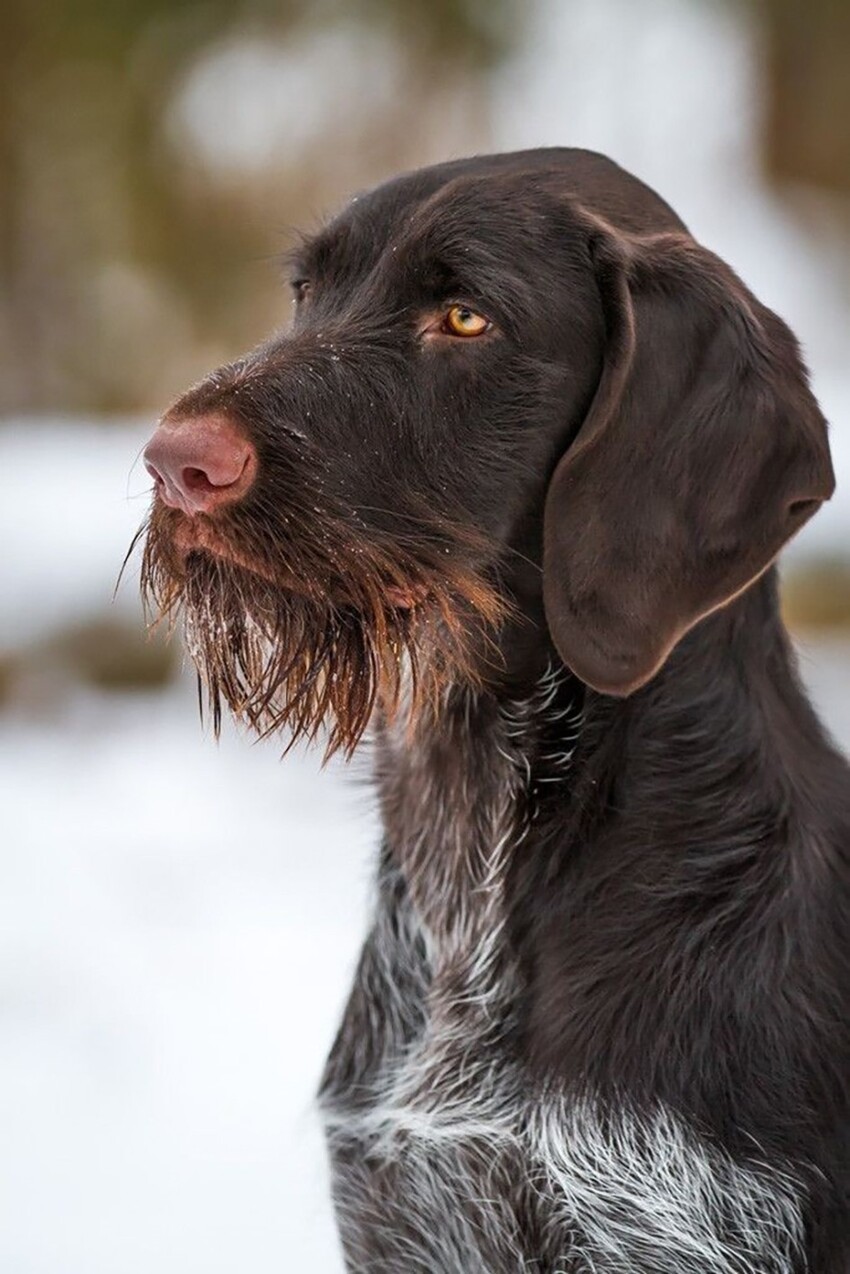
(523,420)
(447,1156)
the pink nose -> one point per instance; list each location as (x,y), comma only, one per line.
(200,464)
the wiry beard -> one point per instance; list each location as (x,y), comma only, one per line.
(305,632)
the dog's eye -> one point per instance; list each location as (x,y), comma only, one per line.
(460,320)
(301,288)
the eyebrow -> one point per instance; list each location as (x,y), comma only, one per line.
(313,255)
(450,268)
(451,271)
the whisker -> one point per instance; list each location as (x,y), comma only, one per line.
(319,658)
(130,551)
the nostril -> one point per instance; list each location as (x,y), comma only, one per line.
(199,464)
(197,480)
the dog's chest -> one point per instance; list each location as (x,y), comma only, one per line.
(446,1156)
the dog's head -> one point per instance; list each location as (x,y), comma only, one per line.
(511,383)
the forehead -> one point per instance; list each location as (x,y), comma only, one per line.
(411,213)
(483,234)
(499,208)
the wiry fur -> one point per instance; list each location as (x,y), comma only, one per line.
(294,627)
(444,1144)
(602,1022)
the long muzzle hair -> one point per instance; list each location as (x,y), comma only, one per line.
(299,617)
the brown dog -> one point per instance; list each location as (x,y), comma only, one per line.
(510,492)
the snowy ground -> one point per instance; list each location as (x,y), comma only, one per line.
(178,926)
(179,921)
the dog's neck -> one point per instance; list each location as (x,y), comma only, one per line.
(705,730)
(491,766)
(461,788)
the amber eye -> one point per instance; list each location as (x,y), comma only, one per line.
(460,320)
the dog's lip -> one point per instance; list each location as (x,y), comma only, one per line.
(197,535)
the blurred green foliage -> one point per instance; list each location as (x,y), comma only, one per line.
(103,653)
(127,266)
(115,249)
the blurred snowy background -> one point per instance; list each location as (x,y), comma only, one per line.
(179,920)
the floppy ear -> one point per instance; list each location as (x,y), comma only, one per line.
(703,452)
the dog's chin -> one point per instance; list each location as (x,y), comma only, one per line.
(311,635)
(194,541)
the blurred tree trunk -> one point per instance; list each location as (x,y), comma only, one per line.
(807,123)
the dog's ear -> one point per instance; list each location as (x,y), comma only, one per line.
(702,453)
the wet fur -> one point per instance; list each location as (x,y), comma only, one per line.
(601,1024)
(295,630)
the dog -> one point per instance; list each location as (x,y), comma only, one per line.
(508,498)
